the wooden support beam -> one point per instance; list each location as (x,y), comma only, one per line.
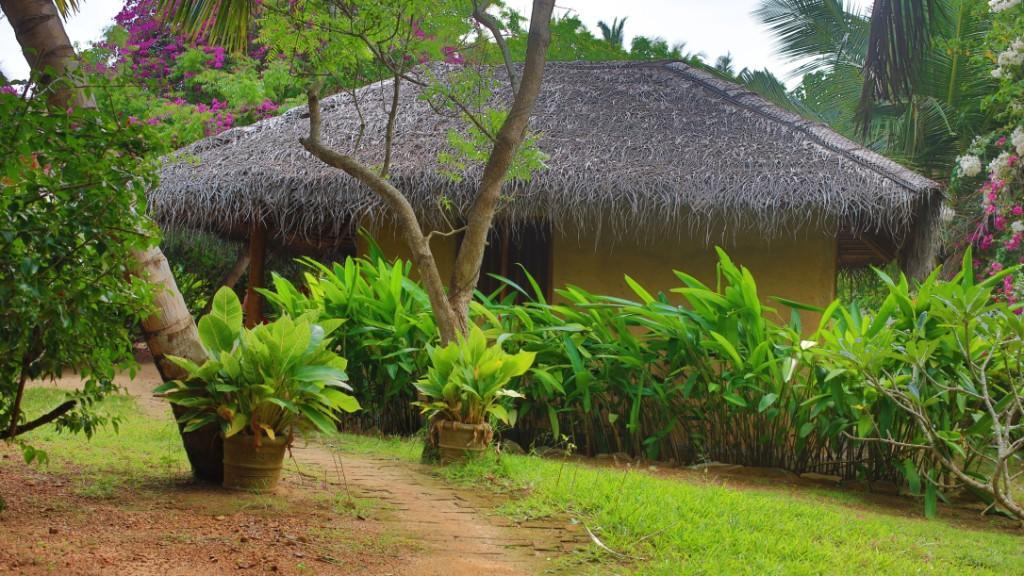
(257,258)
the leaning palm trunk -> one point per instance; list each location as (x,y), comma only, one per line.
(171,329)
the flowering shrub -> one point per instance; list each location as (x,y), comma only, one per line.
(185,89)
(988,180)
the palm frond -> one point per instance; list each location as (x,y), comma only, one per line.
(769,87)
(900,35)
(612,33)
(816,34)
(67,7)
(221,22)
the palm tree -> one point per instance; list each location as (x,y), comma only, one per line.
(724,64)
(613,34)
(925,119)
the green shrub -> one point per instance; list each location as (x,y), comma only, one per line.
(385,329)
(716,377)
(935,379)
(263,381)
(71,185)
(712,379)
(468,380)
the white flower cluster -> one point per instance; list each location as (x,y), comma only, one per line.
(1012,57)
(1000,5)
(1017,139)
(1017,227)
(999,166)
(970,165)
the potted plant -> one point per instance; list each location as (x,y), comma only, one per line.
(462,389)
(259,385)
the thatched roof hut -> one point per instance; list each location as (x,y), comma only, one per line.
(663,147)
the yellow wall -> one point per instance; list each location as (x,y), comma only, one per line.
(393,245)
(800,266)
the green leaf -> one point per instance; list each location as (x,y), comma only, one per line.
(736,399)
(931,498)
(639,290)
(227,309)
(766,401)
(216,336)
(728,348)
(865,424)
(553,420)
(318,419)
(911,475)
(499,412)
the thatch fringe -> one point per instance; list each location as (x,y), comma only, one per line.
(664,148)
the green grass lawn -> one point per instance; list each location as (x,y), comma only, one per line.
(660,526)
(672,527)
(138,450)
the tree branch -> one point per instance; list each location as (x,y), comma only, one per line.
(41,421)
(389,134)
(480,15)
(466,272)
(399,204)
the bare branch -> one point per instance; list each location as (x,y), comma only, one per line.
(470,256)
(389,134)
(399,204)
(43,420)
(447,234)
(480,15)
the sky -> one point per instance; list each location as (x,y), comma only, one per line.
(711,27)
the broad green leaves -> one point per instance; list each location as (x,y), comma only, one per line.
(467,379)
(265,380)
(219,329)
(379,319)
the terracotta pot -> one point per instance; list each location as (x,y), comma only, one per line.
(458,441)
(253,468)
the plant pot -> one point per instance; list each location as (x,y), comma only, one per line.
(204,448)
(253,468)
(458,441)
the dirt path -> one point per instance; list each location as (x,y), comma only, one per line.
(442,531)
(455,530)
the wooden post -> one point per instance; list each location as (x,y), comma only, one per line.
(257,257)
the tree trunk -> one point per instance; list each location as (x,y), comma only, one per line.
(47,49)
(451,310)
(466,272)
(171,330)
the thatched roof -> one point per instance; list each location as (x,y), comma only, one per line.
(657,145)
